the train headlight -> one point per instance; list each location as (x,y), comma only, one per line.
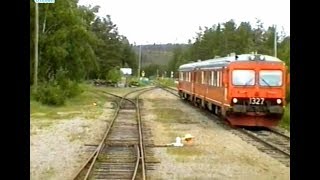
(234,100)
(279,101)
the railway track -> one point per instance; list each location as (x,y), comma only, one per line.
(270,141)
(273,144)
(121,153)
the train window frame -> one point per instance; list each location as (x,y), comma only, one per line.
(214,82)
(207,75)
(250,79)
(212,77)
(270,85)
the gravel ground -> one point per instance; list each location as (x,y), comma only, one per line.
(215,152)
(58,151)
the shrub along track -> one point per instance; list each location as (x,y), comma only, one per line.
(268,140)
(121,152)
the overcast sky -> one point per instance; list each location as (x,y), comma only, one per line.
(176,21)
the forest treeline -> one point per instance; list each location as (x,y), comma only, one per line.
(75,44)
(222,39)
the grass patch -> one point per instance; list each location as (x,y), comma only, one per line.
(184,152)
(115,90)
(174,134)
(167,82)
(285,123)
(49,173)
(171,115)
(42,123)
(74,137)
(81,105)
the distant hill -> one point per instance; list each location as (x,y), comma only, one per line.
(159,54)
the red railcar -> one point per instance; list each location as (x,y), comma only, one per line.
(247,89)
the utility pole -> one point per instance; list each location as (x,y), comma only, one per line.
(275,41)
(36,37)
(139,62)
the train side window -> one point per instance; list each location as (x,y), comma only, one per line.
(215,74)
(199,77)
(196,77)
(210,78)
(187,76)
(181,76)
(218,78)
(184,76)
(202,77)
(189,73)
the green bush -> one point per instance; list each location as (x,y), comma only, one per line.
(56,90)
(286,118)
(288,95)
(134,83)
(70,88)
(167,82)
(113,75)
(49,93)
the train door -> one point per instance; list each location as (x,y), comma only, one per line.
(225,86)
(194,77)
(206,82)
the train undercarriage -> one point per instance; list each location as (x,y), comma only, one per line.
(269,117)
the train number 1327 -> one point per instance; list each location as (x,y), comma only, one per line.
(256,101)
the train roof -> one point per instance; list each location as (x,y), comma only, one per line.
(220,62)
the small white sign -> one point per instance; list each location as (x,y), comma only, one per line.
(126,71)
(44,1)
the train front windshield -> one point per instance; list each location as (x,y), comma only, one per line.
(243,77)
(270,78)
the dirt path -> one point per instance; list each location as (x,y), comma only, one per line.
(58,151)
